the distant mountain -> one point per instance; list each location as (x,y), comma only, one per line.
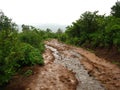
(53,27)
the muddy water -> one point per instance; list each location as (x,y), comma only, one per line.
(71,60)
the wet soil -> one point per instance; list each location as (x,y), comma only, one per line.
(68,68)
(71,60)
(48,77)
(101,69)
(111,54)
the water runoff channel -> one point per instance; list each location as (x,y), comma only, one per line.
(85,81)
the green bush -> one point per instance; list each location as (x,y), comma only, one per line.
(24,55)
(20,56)
(93,30)
(18,49)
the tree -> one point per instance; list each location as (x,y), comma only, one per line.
(8,39)
(6,23)
(116,9)
(86,24)
(48,30)
(25,28)
(88,21)
(59,31)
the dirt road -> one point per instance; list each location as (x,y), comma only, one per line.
(94,69)
(69,68)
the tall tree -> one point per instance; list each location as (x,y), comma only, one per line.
(6,23)
(116,9)
(59,31)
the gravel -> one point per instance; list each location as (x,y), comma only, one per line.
(85,81)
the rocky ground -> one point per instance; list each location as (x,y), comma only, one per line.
(69,68)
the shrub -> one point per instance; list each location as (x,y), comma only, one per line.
(21,55)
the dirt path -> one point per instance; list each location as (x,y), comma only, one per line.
(51,76)
(70,60)
(107,73)
(69,68)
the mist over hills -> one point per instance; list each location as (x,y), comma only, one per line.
(53,27)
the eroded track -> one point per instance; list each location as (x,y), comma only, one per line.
(69,68)
(91,71)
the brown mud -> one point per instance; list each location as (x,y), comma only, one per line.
(111,54)
(53,76)
(47,77)
(101,69)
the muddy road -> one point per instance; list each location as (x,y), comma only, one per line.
(91,72)
(69,68)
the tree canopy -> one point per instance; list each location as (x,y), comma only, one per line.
(116,9)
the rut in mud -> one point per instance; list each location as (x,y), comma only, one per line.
(70,60)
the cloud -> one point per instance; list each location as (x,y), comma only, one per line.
(51,11)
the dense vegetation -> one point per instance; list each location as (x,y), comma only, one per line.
(94,30)
(19,49)
(98,33)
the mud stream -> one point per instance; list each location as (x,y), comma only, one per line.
(71,60)
(69,68)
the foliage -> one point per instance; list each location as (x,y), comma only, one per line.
(33,38)
(93,30)
(24,54)
(7,42)
(6,23)
(116,9)
(19,49)
(15,54)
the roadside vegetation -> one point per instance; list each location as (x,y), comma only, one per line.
(20,49)
(93,31)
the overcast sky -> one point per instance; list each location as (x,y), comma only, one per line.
(52,11)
